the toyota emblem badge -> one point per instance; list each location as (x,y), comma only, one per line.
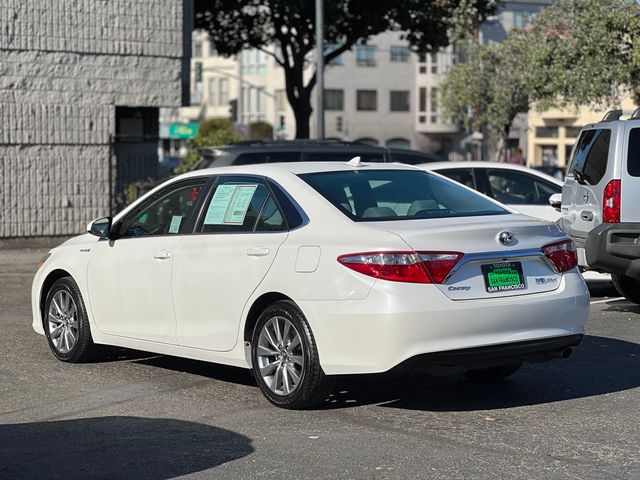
(506,238)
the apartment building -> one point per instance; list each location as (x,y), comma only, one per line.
(380,93)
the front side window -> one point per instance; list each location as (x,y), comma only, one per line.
(590,156)
(519,188)
(241,204)
(168,212)
(384,195)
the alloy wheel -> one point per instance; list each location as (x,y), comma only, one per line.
(62,319)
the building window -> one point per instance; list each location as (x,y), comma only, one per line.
(334,100)
(547,132)
(520,19)
(254,61)
(399,101)
(399,54)
(224,91)
(434,63)
(336,61)
(366,100)
(212,91)
(281,100)
(434,100)
(423,100)
(422,119)
(366,55)
(572,132)
(198,72)
(197,49)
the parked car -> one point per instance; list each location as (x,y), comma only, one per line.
(253,152)
(521,188)
(304,271)
(601,200)
(553,171)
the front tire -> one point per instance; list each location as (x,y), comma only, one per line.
(628,287)
(492,374)
(285,359)
(66,323)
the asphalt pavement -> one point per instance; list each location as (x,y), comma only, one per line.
(137,415)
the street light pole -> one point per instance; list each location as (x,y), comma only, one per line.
(320,69)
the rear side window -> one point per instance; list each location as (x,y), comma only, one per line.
(461,175)
(520,188)
(266,157)
(383,195)
(590,156)
(241,204)
(633,155)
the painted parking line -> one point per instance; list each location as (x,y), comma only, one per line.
(606,300)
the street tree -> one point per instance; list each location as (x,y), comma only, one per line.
(285,30)
(493,86)
(586,52)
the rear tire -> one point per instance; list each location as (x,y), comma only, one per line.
(628,287)
(492,374)
(66,323)
(285,359)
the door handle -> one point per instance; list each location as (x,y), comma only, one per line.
(586,215)
(162,255)
(258,252)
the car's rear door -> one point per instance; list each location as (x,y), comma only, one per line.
(237,237)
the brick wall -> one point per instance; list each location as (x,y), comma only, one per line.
(64,67)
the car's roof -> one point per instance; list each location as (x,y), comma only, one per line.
(298,168)
(504,166)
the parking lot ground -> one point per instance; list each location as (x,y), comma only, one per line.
(138,415)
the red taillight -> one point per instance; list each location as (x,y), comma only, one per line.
(611,202)
(411,267)
(562,255)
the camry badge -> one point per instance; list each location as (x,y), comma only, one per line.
(585,197)
(506,238)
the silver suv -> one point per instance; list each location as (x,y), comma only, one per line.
(601,200)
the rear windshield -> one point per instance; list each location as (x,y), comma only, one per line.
(590,155)
(382,195)
(633,157)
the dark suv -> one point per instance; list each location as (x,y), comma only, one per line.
(251,152)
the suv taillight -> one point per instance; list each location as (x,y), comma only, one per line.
(562,255)
(411,267)
(611,202)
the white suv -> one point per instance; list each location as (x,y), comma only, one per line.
(601,200)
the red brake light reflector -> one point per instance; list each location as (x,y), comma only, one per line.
(410,267)
(611,202)
(562,254)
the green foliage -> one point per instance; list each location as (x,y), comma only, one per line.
(586,52)
(260,131)
(285,29)
(212,132)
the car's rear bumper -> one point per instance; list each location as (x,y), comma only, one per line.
(395,324)
(614,248)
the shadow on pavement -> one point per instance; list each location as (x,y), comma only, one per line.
(600,365)
(622,306)
(115,448)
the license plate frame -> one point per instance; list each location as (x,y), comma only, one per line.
(502,277)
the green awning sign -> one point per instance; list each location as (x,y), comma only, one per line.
(183,130)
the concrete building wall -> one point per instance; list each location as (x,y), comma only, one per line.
(64,67)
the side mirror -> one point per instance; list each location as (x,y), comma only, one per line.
(100,227)
(555,201)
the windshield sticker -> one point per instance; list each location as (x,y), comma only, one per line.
(229,204)
(174,226)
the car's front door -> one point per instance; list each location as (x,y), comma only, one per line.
(129,277)
(216,269)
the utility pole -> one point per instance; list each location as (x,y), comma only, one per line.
(320,69)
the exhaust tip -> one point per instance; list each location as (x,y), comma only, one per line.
(566,353)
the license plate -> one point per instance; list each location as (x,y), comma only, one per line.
(503,277)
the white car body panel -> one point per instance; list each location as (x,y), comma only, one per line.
(360,324)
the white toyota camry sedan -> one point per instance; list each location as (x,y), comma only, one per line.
(306,271)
